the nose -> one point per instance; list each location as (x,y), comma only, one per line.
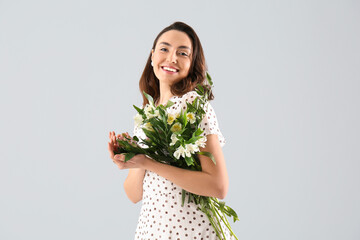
(172,57)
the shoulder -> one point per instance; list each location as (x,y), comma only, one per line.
(190,96)
(192,93)
(180,101)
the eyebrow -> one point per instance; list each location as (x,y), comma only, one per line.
(168,44)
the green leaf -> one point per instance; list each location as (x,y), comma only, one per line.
(139,110)
(149,98)
(201,89)
(192,139)
(189,161)
(233,213)
(185,119)
(195,101)
(147,142)
(197,132)
(196,198)
(190,108)
(202,201)
(128,156)
(155,142)
(177,144)
(198,91)
(151,134)
(156,125)
(209,79)
(208,154)
(189,198)
(183,197)
(124,144)
(169,104)
(222,205)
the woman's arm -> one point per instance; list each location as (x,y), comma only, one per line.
(133,184)
(211,181)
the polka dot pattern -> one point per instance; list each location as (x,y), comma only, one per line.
(209,124)
(161,214)
(163,217)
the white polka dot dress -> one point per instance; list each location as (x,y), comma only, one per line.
(161,214)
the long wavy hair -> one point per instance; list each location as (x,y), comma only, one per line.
(149,83)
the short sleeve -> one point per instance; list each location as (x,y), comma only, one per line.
(210,124)
(188,97)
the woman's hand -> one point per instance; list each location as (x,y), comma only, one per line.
(138,161)
(113,145)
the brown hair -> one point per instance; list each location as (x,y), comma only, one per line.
(149,83)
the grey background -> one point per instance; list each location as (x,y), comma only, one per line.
(286,77)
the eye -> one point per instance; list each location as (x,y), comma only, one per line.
(163,49)
(184,54)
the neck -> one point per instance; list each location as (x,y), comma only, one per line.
(165,94)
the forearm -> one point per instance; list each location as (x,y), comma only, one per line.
(133,184)
(197,182)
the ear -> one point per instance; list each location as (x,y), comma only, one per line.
(152,53)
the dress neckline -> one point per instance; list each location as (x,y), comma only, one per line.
(166,102)
(177,96)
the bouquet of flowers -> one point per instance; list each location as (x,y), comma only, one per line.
(175,139)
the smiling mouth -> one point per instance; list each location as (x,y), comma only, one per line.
(170,69)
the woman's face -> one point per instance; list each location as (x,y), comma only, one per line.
(172,57)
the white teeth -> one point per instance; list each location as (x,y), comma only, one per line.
(170,69)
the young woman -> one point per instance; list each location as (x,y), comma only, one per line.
(175,66)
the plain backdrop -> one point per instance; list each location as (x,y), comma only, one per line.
(286,76)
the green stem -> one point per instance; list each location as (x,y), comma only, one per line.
(213,224)
(214,210)
(224,221)
(218,206)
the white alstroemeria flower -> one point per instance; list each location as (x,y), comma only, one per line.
(180,151)
(191,117)
(173,139)
(201,142)
(138,119)
(176,127)
(148,126)
(187,153)
(147,109)
(171,118)
(192,148)
(155,114)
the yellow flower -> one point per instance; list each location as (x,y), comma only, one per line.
(191,117)
(176,127)
(172,117)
